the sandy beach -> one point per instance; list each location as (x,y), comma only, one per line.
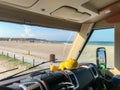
(38,51)
(41,51)
(89,54)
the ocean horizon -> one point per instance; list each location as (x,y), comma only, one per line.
(102,43)
(106,43)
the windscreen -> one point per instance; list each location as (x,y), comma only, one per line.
(99,38)
(24,46)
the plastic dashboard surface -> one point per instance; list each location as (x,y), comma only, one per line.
(60,80)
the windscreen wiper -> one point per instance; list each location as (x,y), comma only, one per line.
(8,70)
(9,77)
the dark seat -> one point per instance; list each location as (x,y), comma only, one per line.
(116,82)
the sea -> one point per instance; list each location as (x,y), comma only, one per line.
(102,43)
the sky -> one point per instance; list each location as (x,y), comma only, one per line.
(11,30)
(103,35)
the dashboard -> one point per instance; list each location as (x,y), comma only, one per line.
(76,79)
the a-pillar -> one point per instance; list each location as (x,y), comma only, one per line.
(117,46)
(79,40)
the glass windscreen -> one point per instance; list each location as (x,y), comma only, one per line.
(99,38)
(24,46)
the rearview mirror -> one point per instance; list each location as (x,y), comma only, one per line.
(101,57)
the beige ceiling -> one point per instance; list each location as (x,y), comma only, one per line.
(76,12)
(39,12)
(98,4)
(20,3)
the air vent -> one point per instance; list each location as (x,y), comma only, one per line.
(73,79)
(94,71)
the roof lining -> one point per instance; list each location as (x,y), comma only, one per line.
(20,16)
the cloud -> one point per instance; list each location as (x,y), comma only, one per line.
(27,32)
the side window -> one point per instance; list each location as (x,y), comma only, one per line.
(99,38)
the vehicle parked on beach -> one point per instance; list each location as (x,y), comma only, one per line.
(60,44)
